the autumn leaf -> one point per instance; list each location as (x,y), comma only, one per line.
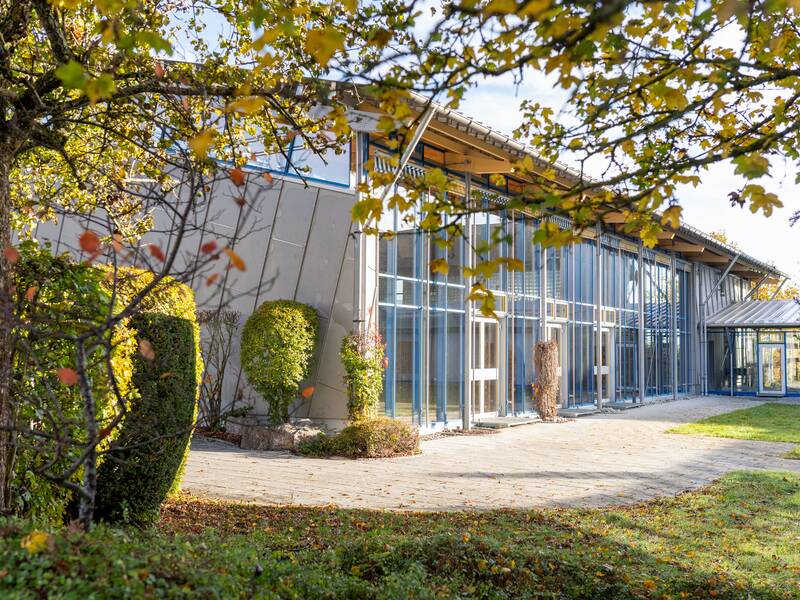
(212,279)
(156,252)
(37,541)
(89,242)
(246,106)
(237,176)
(11,254)
(439,265)
(307,392)
(30,293)
(202,142)
(67,376)
(146,350)
(268,177)
(235,259)
(158,69)
(208,247)
(322,44)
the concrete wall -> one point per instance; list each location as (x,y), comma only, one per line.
(296,242)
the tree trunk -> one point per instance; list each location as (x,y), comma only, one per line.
(6,337)
(89,491)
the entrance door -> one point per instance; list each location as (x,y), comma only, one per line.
(606,366)
(485,366)
(556,334)
(771,367)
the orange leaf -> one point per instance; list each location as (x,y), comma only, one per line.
(11,254)
(235,259)
(30,294)
(157,252)
(116,241)
(67,376)
(240,201)
(104,432)
(208,247)
(268,177)
(237,176)
(146,350)
(158,70)
(212,279)
(89,242)
(308,392)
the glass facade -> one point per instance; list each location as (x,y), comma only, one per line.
(753,361)
(422,317)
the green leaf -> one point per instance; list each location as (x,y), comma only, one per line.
(751,166)
(72,75)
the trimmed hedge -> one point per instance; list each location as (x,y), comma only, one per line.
(146,461)
(278,342)
(370,438)
(58,298)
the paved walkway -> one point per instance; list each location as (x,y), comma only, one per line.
(592,461)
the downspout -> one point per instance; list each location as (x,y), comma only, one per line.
(466,408)
(704,327)
(598,342)
(674,323)
(640,350)
(359,251)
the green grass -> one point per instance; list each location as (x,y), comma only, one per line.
(738,538)
(771,422)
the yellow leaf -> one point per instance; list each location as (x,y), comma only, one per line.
(440,265)
(202,141)
(36,541)
(672,217)
(322,44)
(246,106)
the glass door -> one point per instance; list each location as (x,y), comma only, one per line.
(606,366)
(771,367)
(485,366)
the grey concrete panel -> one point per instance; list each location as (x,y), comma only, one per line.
(327,241)
(281,271)
(328,406)
(295,210)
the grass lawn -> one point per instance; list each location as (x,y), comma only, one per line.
(737,538)
(771,422)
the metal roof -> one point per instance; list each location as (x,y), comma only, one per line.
(757,313)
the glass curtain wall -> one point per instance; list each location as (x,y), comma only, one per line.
(658,309)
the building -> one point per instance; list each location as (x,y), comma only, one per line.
(632,323)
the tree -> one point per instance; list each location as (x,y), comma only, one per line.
(97,123)
(657,93)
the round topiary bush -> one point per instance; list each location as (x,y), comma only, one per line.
(277,346)
(146,460)
(363,356)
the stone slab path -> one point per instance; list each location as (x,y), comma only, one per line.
(597,460)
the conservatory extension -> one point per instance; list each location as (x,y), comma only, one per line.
(754,349)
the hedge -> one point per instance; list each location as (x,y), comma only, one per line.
(363,356)
(146,462)
(277,346)
(59,298)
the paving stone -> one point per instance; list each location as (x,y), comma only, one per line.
(597,460)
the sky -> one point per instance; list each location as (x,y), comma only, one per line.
(773,240)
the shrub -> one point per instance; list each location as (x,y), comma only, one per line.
(362,355)
(147,459)
(369,438)
(59,299)
(277,345)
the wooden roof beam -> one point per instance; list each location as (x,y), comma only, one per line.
(683,247)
